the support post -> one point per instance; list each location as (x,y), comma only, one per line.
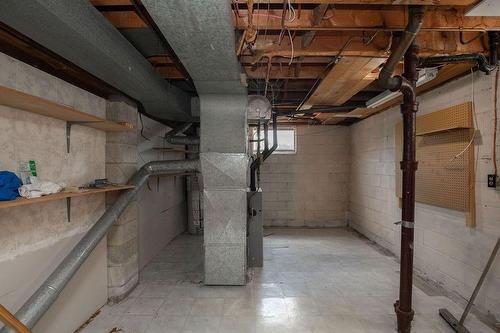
(409,108)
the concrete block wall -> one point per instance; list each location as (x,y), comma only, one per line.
(121,164)
(309,188)
(40,233)
(159,212)
(224,165)
(446,251)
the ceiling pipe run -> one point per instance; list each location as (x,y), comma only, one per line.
(36,306)
(484,65)
(76,31)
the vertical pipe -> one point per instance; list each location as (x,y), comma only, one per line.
(409,108)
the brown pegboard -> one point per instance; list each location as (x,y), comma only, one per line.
(441,179)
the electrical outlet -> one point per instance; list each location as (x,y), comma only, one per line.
(492,180)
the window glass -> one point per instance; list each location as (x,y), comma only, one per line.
(286,141)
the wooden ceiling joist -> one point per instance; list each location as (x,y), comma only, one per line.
(345,79)
(171,73)
(125,20)
(363,18)
(447,73)
(430,44)
(379,2)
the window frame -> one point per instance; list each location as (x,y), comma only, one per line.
(278,151)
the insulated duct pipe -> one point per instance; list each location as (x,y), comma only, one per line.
(35,307)
(482,62)
(174,138)
(265,154)
(78,32)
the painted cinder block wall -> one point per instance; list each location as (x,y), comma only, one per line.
(157,214)
(446,251)
(308,188)
(35,238)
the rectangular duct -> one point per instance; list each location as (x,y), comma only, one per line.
(224,164)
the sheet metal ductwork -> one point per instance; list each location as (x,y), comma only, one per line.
(75,30)
(202,35)
(36,306)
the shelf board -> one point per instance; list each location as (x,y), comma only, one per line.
(441,130)
(61,195)
(110,126)
(23,101)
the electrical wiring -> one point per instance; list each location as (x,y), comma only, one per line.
(142,128)
(291,12)
(475,119)
(291,45)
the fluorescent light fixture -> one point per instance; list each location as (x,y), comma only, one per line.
(424,76)
(485,8)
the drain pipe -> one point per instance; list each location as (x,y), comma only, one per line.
(174,138)
(407,85)
(409,108)
(385,78)
(35,307)
(265,154)
(484,65)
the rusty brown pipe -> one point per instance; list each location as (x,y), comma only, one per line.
(407,85)
(409,108)
(385,78)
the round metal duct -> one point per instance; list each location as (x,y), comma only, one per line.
(258,109)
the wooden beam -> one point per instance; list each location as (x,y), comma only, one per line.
(161,60)
(317,17)
(365,18)
(447,73)
(382,2)
(345,79)
(125,20)
(171,73)
(329,45)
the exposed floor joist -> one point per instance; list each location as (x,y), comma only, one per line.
(380,2)
(344,80)
(447,73)
(363,18)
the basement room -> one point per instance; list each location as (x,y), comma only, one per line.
(249,166)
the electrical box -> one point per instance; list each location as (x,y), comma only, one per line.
(492,181)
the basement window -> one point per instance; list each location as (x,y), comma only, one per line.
(286,141)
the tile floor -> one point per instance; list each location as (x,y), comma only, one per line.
(313,281)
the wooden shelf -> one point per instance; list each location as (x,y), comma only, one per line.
(61,195)
(441,130)
(23,101)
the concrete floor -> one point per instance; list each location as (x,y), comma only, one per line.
(328,280)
